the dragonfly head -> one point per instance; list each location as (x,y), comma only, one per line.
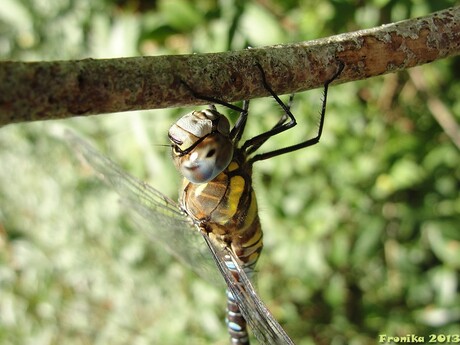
(201,145)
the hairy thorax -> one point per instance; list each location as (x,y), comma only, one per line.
(226,209)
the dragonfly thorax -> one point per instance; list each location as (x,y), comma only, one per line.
(201,145)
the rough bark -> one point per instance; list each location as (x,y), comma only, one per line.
(61,89)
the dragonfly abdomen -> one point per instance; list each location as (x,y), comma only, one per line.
(236,323)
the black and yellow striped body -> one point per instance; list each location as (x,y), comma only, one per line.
(226,209)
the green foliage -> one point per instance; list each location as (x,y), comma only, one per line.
(361,230)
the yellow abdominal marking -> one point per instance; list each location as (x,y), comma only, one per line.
(230,203)
(252,213)
(237,184)
(233,166)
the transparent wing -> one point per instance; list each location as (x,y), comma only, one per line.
(262,323)
(159,217)
(163,221)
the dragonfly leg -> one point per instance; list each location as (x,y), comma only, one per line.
(282,125)
(278,129)
(255,146)
(238,129)
(240,124)
(212,100)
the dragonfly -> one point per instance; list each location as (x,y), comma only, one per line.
(215,224)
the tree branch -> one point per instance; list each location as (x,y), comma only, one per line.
(61,89)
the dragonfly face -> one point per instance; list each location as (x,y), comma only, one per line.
(201,145)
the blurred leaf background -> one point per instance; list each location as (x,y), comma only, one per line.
(361,231)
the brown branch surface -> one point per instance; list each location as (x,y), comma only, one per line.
(61,89)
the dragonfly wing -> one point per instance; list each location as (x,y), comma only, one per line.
(262,323)
(164,222)
(155,214)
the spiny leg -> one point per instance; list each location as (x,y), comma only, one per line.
(258,140)
(288,125)
(280,122)
(240,125)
